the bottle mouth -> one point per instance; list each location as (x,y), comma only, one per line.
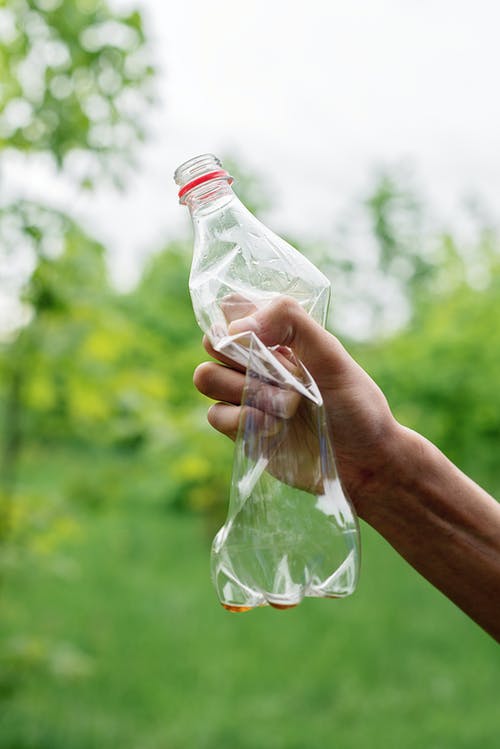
(198,170)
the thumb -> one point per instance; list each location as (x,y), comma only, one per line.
(284,322)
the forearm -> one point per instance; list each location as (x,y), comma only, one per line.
(445,526)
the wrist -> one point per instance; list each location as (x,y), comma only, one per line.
(401,470)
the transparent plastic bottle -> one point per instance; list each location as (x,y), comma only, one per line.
(291,531)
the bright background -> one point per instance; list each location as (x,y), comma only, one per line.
(365,132)
(314,99)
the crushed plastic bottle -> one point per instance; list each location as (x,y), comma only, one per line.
(291,531)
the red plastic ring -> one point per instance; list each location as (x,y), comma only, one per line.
(221,173)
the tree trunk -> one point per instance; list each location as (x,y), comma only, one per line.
(11,448)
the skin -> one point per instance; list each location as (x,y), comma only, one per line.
(437,518)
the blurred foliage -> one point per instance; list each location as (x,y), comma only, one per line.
(395,215)
(249,185)
(441,373)
(109,371)
(75,83)
(76,80)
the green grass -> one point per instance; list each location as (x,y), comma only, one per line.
(136,652)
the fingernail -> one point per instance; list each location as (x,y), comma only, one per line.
(243,325)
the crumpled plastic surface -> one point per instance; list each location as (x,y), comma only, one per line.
(290,531)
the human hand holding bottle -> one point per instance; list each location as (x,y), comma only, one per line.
(363,428)
(445,525)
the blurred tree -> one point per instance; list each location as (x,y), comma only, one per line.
(36,363)
(441,372)
(76,81)
(383,257)
(395,214)
(249,185)
(196,464)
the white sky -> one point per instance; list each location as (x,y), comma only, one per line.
(314,96)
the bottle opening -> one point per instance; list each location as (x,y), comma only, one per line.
(198,170)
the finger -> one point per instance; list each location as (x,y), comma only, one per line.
(225,418)
(218,355)
(224,384)
(284,322)
(219,382)
(282,353)
(235,306)
(275,401)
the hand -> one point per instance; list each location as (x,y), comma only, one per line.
(365,435)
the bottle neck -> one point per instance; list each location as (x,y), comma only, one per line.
(208,197)
(204,184)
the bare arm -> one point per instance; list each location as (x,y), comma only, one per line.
(445,526)
(439,520)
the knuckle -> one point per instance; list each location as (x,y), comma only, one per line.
(282,320)
(286,306)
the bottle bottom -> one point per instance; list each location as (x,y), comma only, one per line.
(236,609)
(283,606)
(243,609)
